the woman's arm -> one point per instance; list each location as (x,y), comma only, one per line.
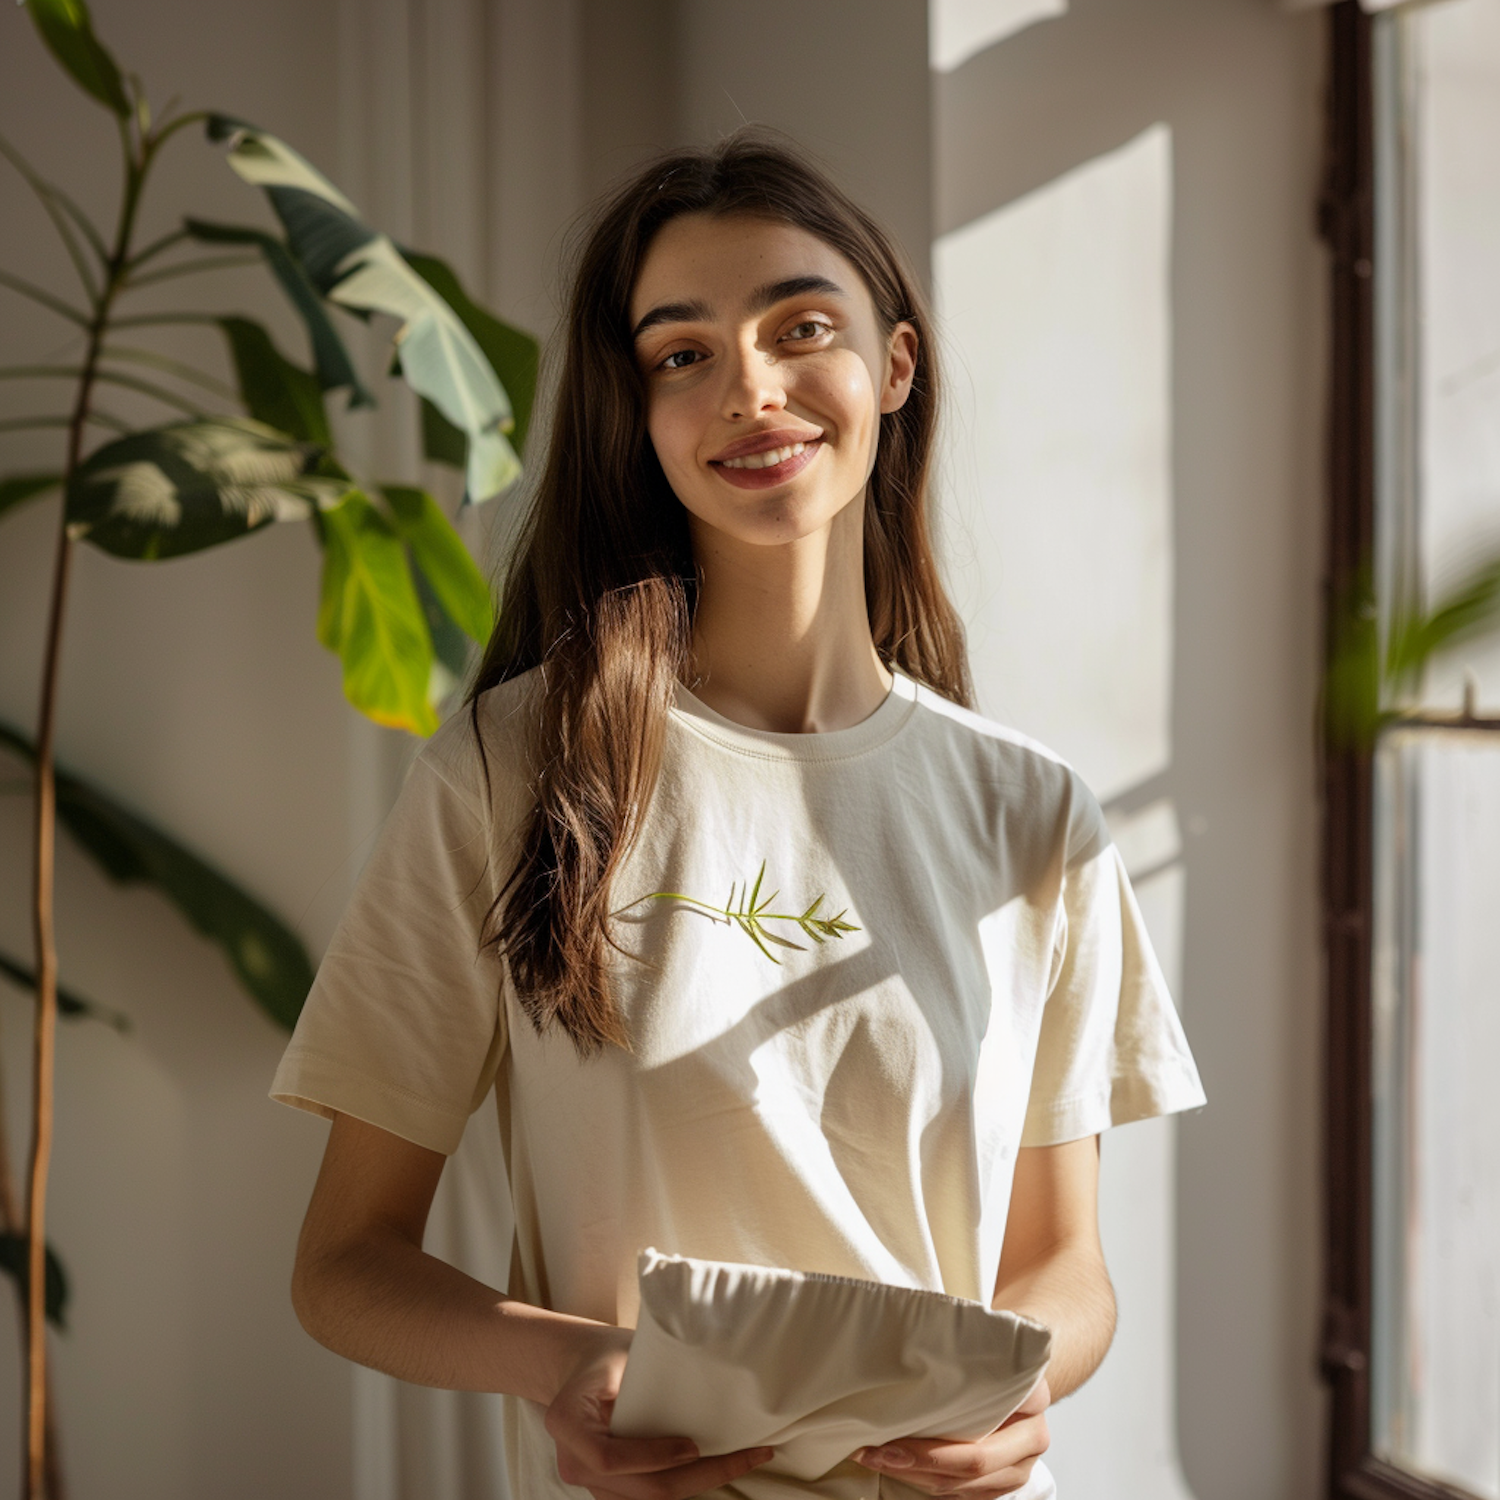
(364,1287)
(1051,1269)
(1052,1264)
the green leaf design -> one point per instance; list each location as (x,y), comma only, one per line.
(752,911)
(177,489)
(69,34)
(512,354)
(370,615)
(267,956)
(70,1004)
(358,268)
(445,562)
(17,489)
(274,390)
(15,1262)
(330,357)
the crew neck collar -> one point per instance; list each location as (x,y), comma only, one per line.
(832,744)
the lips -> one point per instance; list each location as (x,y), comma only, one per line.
(769,466)
(766,440)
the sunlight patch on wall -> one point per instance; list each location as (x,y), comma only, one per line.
(1056,320)
(958,29)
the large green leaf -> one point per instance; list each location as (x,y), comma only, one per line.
(177,489)
(266,955)
(274,390)
(358,268)
(19,488)
(70,1004)
(330,357)
(69,34)
(514,355)
(370,615)
(15,1262)
(440,360)
(439,551)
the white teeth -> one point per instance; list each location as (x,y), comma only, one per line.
(766,460)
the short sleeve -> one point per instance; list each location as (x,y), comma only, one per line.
(405,1026)
(1111,1048)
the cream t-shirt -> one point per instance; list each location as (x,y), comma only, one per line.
(853,1109)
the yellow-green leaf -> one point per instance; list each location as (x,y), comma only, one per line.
(445,561)
(370,615)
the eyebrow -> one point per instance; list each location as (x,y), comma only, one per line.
(760,300)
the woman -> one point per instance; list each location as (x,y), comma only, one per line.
(725,664)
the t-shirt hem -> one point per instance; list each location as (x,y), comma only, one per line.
(1123,1102)
(326,1086)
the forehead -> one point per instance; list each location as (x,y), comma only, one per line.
(720,260)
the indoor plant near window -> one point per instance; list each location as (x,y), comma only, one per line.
(400,595)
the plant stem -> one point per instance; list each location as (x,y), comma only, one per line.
(137,162)
(10,1222)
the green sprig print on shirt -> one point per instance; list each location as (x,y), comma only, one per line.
(751,912)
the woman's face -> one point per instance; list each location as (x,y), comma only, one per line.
(765,372)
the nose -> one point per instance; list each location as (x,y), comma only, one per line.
(753,382)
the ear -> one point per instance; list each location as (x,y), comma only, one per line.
(900,367)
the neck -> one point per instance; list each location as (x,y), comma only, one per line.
(781,635)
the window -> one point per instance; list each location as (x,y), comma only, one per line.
(1412,839)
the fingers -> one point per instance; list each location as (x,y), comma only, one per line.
(995,1465)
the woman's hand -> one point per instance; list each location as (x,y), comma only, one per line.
(996,1465)
(616,1468)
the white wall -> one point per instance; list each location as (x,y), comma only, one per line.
(1238,85)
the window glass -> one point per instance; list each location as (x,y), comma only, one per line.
(1437,1107)
(1435,1376)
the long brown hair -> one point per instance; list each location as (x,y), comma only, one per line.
(600,590)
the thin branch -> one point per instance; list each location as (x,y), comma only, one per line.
(28,424)
(110,424)
(54,201)
(38,1377)
(152,320)
(150,388)
(170,366)
(165,132)
(190,267)
(114,377)
(155,248)
(38,294)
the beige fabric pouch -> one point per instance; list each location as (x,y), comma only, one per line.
(818,1367)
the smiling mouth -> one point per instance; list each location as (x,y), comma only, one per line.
(765,470)
(767,460)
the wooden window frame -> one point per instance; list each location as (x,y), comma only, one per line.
(1346,221)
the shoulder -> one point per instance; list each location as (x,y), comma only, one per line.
(1036,784)
(480,753)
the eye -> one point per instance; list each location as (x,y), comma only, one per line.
(808,328)
(687,356)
